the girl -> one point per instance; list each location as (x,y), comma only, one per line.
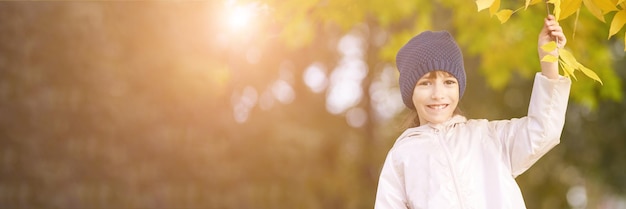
(448,161)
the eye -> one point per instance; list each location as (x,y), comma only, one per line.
(424,83)
(449,82)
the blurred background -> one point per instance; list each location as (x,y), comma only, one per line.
(271,104)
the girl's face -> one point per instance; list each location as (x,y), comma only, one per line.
(435,97)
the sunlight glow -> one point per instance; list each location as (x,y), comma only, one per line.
(283,92)
(253,55)
(345,90)
(240,17)
(315,77)
(266,102)
(243,103)
(356,117)
(384,94)
(577,197)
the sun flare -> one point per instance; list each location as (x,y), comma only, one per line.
(240,16)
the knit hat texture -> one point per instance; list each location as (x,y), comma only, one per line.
(428,51)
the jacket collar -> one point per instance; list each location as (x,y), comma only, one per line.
(454,120)
(433,127)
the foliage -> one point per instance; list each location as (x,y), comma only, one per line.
(567,62)
(497,66)
(561,10)
(565,8)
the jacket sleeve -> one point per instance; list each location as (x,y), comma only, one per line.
(391,193)
(523,141)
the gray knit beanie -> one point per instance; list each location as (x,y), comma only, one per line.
(428,51)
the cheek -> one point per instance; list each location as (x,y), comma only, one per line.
(452,93)
(415,101)
(418,97)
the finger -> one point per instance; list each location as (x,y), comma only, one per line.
(555,28)
(558,34)
(552,26)
(551,22)
(560,38)
(561,43)
(556,31)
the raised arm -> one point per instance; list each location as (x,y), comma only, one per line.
(526,139)
(551,31)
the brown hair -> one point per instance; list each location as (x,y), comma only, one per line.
(437,73)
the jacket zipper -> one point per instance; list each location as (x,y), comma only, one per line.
(447,154)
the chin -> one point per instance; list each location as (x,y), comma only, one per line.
(440,120)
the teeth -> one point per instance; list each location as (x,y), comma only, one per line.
(438,107)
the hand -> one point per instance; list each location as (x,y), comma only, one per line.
(551,31)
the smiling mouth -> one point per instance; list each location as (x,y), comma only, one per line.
(437,107)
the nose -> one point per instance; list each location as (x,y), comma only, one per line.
(437,93)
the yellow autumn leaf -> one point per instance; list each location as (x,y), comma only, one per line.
(569,7)
(618,22)
(625,42)
(575,24)
(570,64)
(566,65)
(493,9)
(567,58)
(568,70)
(548,47)
(557,8)
(549,58)
(597,12)
(531,2)
(605,5)
(484,4)
(504,15)
(589,73)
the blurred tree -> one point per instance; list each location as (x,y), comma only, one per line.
(204,104)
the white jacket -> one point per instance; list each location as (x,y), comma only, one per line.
(473,163)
